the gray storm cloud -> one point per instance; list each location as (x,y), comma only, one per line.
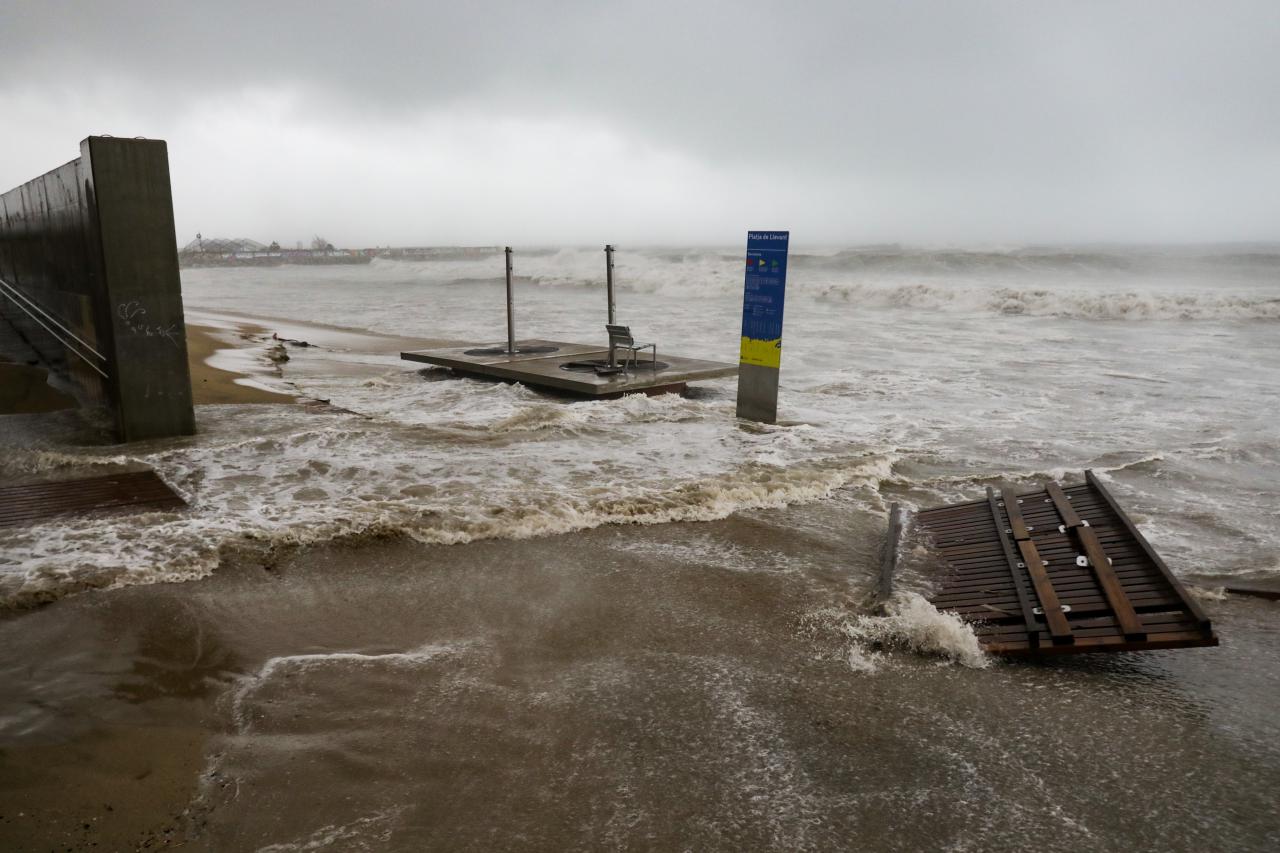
(662,122)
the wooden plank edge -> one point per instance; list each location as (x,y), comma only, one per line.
(889,556)
(1094,645)
(1066,512)
(1191,603)
(1011,562)
(1050,606)
(1110,584)
(1255,591)
(1013,512)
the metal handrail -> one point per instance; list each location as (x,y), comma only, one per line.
(19,298)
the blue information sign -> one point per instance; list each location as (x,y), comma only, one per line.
(763,297)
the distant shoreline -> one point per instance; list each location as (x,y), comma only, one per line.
(189,261)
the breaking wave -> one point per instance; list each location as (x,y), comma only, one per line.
(913,624)
(1083,285)
(1122,285)
(908,623)
(289,666)
(1064,302)
(48,561)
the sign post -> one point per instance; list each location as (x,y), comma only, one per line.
(511,309)
(608,273)
(761,354)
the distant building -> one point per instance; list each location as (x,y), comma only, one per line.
(227,247)
(241,251)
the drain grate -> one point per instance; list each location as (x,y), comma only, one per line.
(32,503)
(590,365)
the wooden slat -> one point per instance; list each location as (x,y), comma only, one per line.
(1015,576)
(1062,505)
(1110,584)
(1173,640)
(1151,603)
(1059,630)
(1094,626)
(1077,593)
(1014,512)
(1059,565)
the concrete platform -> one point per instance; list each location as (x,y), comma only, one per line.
(543,369)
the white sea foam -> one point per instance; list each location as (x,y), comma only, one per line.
(862,660)
(53,462)
(969,486)
(342,477)
(241,695)
(913,624)
(1205,593)
(986,284)
(369,832)
(1066,302)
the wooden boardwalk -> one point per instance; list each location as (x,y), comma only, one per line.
(32,503)
(1059,571)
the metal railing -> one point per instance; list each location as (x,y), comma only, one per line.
(60,333)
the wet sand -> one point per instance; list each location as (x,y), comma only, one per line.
(211,385)
(232,354)
(115,787)
(683,686)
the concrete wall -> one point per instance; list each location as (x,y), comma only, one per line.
(89,275)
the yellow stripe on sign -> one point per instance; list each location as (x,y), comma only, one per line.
(762,353)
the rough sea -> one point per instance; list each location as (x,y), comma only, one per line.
(921,375)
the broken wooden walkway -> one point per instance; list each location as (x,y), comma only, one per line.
(1059,571)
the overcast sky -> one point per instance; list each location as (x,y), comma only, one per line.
(685,123)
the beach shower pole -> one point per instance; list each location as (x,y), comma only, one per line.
(511,310)
(608,273)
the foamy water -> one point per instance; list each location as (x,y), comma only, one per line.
(917,376)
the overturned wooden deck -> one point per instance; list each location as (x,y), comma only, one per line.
(1059,571)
